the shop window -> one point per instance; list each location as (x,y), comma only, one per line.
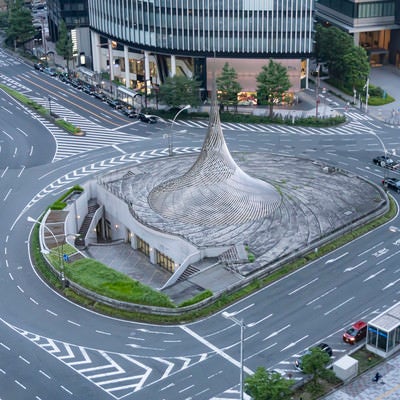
(165,262)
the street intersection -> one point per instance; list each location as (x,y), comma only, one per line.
(119,359)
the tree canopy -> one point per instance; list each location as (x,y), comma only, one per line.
(64,46)
(178,91)
(228,86)
(314,363)
(273,82)
(357,71)
(268,385)
(347,64)
(20,26)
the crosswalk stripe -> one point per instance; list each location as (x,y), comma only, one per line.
(95,137)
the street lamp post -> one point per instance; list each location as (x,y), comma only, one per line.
(324,93)
(240,323)
(60,256)
(60,248)
(366,87)
(49,105)
(171,134)
(385,152)
(316,91)
(110,64)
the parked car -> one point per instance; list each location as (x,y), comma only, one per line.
(386,162)
(129,112)
(356,332)
(100,95)
(323,346)
(64,77)
(114,103)
(76,83)
(150,119)
(39,66)
(50,71)
(89,89)
(392,183)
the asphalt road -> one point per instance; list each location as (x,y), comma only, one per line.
(51,348)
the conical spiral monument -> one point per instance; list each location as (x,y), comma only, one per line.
(214,191)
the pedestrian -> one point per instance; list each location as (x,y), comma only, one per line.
(377,377)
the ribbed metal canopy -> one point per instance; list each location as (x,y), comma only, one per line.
(214,191)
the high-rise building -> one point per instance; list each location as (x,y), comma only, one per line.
(75,15)
(374,24)
(141,42)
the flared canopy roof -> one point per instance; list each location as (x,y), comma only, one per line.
(214,191)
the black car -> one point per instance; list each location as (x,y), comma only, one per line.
(114,103)
(100,95)
(149,119)
(38,66)
(76,83)
(64,77)
(89,89)
(386,162)
(392,183)
(323,346)
(129,112)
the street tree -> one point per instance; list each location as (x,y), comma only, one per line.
(314,363)
(180,90)
(228,87)
(64,46)
(20,25)
(357,68)
(268,385)
(331,44)
(273,82)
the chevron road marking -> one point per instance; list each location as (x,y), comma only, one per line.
(118,374)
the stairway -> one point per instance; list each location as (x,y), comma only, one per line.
(92,208)
(190,270)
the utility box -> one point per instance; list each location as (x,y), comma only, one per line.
(346,368)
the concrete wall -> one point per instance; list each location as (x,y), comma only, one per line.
(117,212)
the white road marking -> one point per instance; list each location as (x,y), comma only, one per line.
(216,349)
(302,287)
(339,305)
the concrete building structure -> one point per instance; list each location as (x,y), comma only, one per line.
(374,24)
(141,43)
(244,214)
(75,14)
(383,334)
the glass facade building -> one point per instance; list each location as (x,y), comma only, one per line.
(373,24)
(179,36)
(383,335)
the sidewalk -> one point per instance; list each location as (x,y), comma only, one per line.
(363,388)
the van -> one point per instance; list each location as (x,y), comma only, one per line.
(356,332)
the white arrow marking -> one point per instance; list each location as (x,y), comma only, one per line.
(294,343)
(276,332)
(156,332)
(337,258)
(374,275)
(356,266)
(137,346)
(380,252)
(257,322)
(232,314)
(391,284)
(388,257)
(339,305)
(302,287)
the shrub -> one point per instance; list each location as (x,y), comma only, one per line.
(196,299)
